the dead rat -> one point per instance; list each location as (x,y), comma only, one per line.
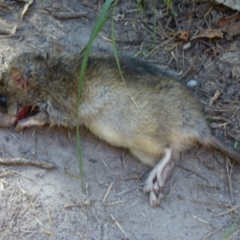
(151,114)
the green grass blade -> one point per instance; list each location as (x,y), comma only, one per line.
(115,52)
(101,19)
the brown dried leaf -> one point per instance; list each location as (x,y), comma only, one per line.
(210,33)
(232,30)
(181,34)
(227,20)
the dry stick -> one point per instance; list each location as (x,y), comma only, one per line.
(190,67)
(107,193)
(105,38)
(197,218)
(24,161)
(49,217)
(228,211)
(212,233)
(124,165)
(177,181)
(190,170)
(50,233)
(229,176)
(14,217)
(127,191)
(21,213)
(118,225)
(67,15)
(26,35)
(34,47)
(233,136)
(27,231)
(115,203)
(90,5)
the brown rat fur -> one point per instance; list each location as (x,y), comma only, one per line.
(148,115)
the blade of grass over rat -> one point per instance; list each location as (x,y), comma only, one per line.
(101,19)
(115,52)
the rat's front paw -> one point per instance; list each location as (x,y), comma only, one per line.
(19,127)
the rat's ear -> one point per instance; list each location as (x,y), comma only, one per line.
(18,77)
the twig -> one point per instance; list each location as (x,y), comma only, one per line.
(67,15)
(24,161)
(90,5)
(210,234)
(197,218)
(190,170)
(191,67)
(34,47)
(107,193)
(118,225)
(228,211)
(105,164)
(127,191)
(25,35)
(14,217)
(115,203)
(229,176)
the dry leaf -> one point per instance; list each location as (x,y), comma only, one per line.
(209,33)
(182,35)
(232,30)
(226,20)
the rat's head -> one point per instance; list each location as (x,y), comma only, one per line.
(14,83)
(26,70)
(19,88)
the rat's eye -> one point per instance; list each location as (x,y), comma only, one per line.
(3,103)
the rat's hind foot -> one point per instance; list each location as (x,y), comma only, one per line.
(157,177)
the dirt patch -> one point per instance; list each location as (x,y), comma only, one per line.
(201,196)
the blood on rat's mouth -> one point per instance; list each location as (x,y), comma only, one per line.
(27,111)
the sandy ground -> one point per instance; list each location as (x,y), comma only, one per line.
(41,204)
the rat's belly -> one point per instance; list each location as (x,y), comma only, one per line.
(107,133)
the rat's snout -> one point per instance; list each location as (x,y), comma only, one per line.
(8,114)
(3,103)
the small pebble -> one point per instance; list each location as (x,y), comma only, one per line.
(186,46)
(192,83)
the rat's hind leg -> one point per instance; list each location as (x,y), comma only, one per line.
(157,176)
